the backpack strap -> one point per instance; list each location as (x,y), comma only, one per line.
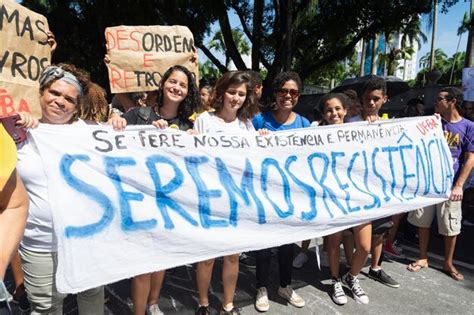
(144,114)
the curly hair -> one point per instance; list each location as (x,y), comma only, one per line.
(278,82)
(191,102)
(94,105)
(341,97)
(249,108)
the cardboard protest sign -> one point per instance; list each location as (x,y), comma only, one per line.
(139,55)
(146,199)
(24,53)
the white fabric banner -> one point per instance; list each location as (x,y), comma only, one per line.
(142,200)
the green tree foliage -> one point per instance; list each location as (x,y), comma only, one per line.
(444,65)
(304,35)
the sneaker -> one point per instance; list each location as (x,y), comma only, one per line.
(382,277)
(261,301)
(20,298)
(357,292)
(233,311)
(337,292)
(290,295)
(392,250)
(300,260)
(247,260)
(153,310)
(203,310)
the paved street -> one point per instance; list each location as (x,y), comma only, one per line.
(427,292)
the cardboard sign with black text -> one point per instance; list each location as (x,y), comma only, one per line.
(24,53)
(140,55)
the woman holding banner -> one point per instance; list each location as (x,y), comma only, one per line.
(177,99)
(280,116)
(61,92)
(333,108)
(234,104)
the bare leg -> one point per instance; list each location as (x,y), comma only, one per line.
(377,246)
(348,242)
(155,286)
(449,246)
(140,292)
(230,273)
(333,241)
(18,275)
(424,238)
(203,279)
(362,238)
(305,246)
(392,234)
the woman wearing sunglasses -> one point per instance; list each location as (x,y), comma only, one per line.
(280,116)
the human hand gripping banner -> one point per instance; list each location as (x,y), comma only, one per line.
(142,200)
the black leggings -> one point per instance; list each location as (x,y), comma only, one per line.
(285,265)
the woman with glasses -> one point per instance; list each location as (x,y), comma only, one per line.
(280,116)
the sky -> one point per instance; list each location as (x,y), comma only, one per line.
(446,33)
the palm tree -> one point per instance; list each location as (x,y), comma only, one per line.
(217,43)
(463,28)
(457,62)
(470,41)
(440,60)
(434,23)
(411,34)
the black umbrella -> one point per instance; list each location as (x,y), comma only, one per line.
(395,85)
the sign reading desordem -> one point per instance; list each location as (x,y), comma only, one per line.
(140,55)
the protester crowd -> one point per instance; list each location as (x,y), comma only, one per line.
(233,104)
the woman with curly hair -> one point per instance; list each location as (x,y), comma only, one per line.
(61,93)
(178,97)
(280,116)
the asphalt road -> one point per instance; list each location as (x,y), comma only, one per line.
(429,291)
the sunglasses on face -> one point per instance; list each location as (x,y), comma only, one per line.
(283,92)
(442,98)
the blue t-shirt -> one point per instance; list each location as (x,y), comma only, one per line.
(267,121)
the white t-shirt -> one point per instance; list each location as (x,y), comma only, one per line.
(39,236)
(210,123)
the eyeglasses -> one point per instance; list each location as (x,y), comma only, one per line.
(442,98)
(283,92)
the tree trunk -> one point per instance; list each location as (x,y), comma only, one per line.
(375,48)
(288,39)
(226,30)
(469,61)
(435,15)
(257,33)
(362,59)
(404,68)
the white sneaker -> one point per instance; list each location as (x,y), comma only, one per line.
(261,301)
(300,260)
(357,292)
(153,310)
(290,295)
(337,293)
